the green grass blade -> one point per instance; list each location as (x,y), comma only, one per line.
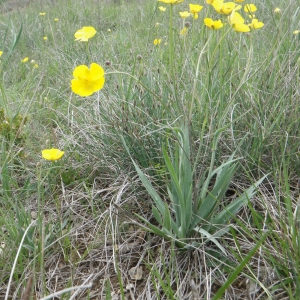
(239,268)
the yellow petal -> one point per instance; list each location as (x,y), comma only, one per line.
(96,71)
(250,8)
(208,22)
(81,71)
(241,28)
(98,84)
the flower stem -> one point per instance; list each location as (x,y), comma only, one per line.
(88,55)
(172,57)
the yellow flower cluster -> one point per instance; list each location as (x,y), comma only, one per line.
(228,9)
(235,19)
(194,10)
(87,80)
(157,42)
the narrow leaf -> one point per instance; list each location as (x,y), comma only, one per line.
(210,238)
(233,208)
(167,218)
(239,268)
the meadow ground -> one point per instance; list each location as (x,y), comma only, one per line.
(179,176)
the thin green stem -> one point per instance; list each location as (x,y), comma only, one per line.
(143,85)
(4,99)
(87,50)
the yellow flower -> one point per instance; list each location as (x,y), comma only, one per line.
(277,10)
(84,34)
(36,66)
(171,1)
(213,24)
(184,14)
(225,8)
(162,8)
(209,1)
(42,13)
(217,5)
(87,81)
(239,1)
(45,38)
(255,24)
(296,31)
(157,42)
(237,22)
(52,154)
(24,60)
(228,8)
(1,52)
(194,9)
(250,8)
(184,31)
(56,19)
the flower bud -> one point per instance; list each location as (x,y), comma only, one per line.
(187,24)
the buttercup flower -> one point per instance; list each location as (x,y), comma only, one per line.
(255,24)
(296,31)
(184,31)
(250,8)
(225,8)
(52,154)
(209,1)
(184,14)
(24,60)
(85,33)
(45,38)
(36,66)
(171,1)
(239,1)
(42,13)
(56,19)
(162,8)
(213,24)
(277,10)
(237,22)
(157,42)
(194,9)
(87,81)
(1,52)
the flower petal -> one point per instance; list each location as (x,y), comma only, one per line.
(98,84)
(96,71)
(81,71)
